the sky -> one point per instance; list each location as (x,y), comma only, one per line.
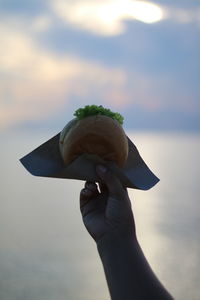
(140,58)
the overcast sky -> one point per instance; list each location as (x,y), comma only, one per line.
(140,58)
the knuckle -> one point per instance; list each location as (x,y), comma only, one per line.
(91,186)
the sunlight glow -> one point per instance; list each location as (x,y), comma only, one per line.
(144,11)
(106,17)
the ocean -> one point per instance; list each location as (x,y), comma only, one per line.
(47,254)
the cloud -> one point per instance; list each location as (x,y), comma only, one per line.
(183,15)
(106,17)
(36,83)
(42,23)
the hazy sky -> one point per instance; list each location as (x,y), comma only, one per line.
(140,58)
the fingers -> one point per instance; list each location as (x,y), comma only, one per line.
(88,193)
(92,186)
(112,183)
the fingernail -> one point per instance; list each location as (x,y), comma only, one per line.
(101,168)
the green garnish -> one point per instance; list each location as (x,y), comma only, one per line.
(91,110)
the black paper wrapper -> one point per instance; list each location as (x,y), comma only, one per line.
(46,161)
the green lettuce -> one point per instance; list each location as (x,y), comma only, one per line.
(91,110)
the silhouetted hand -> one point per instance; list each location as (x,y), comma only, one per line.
(108,217)
(107,211)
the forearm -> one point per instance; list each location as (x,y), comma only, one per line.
(127,271)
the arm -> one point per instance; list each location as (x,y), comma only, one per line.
(108,217)
(127,271)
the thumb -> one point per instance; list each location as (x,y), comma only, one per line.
(112,183)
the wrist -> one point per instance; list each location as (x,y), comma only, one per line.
(116,243)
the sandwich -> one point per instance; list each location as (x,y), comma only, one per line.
(94,130)
(94,136)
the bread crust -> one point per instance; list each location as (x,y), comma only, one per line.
(100,135)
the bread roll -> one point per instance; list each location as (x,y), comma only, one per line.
(97,134)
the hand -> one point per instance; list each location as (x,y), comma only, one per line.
(108,211)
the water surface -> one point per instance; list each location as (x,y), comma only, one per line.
(45,251)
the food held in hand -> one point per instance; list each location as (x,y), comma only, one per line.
(95,130)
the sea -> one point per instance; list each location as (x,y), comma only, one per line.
(45,250)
